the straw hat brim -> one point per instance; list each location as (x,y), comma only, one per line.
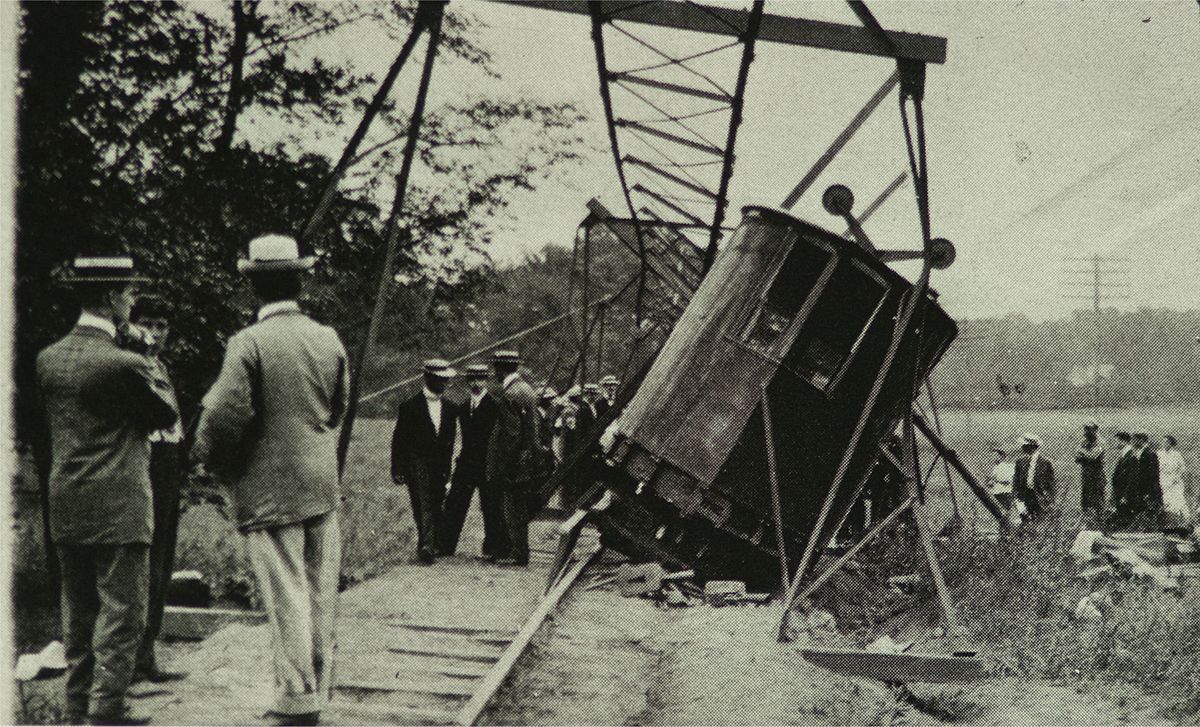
(271,266)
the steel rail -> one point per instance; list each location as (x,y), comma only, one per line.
(736,105)
(434,24)
(499,673)
(596,10)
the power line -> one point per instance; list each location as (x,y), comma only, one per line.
(1102,280)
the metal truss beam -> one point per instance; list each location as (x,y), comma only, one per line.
(775,28)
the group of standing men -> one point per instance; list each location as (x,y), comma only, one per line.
(1145,481)
(268,427)
(498,441)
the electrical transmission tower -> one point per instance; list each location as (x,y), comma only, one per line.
(1101,280)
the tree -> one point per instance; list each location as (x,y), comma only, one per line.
(140,131)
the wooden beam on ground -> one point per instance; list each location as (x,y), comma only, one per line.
(775,28)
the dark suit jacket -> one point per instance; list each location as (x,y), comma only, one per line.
(1123,475)
(477,430)
(514,448)
(418,451)
(100,402)
(1144,487)
(1039,491)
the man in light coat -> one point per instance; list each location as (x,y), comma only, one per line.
(100,402)
(269,426)
(514,457)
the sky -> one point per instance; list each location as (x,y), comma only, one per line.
(1056,129)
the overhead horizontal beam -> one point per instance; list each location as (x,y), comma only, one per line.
(774,29)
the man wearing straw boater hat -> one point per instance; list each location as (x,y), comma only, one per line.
(422,447)
(476,417)
(101,401)
(269,426)
(514,453)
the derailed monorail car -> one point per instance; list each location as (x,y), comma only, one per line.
(805,318)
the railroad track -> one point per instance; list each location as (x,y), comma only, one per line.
(416,645)
(446,673)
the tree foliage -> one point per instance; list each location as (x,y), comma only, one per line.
(177,132)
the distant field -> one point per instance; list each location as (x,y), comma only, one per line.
(973,433)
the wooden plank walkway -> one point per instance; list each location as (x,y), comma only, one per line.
(414,646)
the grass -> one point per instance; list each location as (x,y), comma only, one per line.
(376,532)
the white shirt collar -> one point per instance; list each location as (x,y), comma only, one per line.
(94,321)
(511,378)
(476,398)
(430,396)
(279,306)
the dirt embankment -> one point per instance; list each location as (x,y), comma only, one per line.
(614,660)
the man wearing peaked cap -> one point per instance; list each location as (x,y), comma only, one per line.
(422,448)
(514,455)
(1033,480)
(99,403)
(476,417)
(269,426)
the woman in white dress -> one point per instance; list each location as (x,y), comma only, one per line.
(1171,469)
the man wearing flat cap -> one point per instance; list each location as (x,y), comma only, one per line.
(1033,481)
(269,427)
(1090,457)
(514,453)
(608,390)
(100,402)
(422,448)
(476,417)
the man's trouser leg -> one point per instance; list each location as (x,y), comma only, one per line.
(104,618)
(454,512)
(516,519)
(80,605)
(164,479)
(491,504)
(296,567)
(426,506)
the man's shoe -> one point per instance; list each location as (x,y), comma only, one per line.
(157,676)
(512,561)
(426,557)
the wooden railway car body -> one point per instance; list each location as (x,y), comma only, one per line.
(793,313)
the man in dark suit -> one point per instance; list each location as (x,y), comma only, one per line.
(153,314)
(422,447)
(1145,490)
(1122,480)
(514,457)
(476,417)
(1033,482)
(100,402)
